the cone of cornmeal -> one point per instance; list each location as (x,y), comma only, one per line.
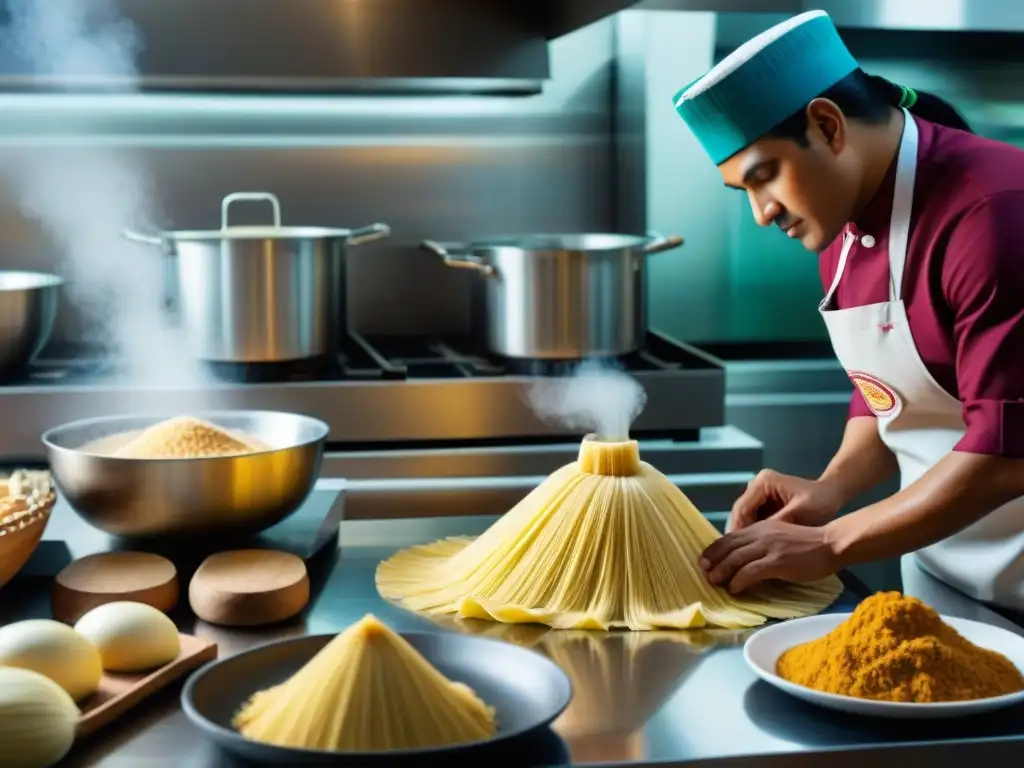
(605,542)
(367,690)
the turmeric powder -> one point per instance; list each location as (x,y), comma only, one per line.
(896,648)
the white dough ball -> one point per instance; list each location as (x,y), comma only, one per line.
(130,637)
(54,650)
(37,720)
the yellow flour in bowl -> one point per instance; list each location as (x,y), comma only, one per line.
(186,437)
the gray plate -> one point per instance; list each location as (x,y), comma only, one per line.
(527,690)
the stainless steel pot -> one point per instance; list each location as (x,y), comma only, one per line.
(561,297)
(260,294)
(28,309)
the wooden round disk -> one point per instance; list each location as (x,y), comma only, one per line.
(139,577)
(249,588)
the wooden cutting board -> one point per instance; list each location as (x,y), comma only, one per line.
(118,693)
(249,588)
(139,577)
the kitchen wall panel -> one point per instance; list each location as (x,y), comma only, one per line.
(666,183)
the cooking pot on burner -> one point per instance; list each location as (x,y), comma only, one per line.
(28,310)
(259,294)
(561,297)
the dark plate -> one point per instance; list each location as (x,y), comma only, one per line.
(542,748)
(527,690)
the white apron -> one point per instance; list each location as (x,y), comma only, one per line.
(917,419)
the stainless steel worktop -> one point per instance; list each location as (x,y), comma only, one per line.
(646,698)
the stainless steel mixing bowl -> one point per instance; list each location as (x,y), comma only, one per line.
(149,497)
(28,308)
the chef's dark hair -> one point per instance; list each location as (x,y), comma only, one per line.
(870,98)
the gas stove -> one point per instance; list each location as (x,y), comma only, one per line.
(419,426)
(380,392)
(367,358)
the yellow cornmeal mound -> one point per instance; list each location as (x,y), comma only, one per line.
(367,690)
(186,437)
(605,542)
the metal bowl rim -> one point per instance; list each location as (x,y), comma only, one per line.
(193,714)
(47,436)
(44,280)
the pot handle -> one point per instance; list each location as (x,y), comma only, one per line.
(141,237)
(368,234)
(661,243)
(458,260)
(167,246)
(236,197)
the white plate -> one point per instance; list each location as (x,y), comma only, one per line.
(763,648)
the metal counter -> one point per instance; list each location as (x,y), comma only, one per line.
(674,699)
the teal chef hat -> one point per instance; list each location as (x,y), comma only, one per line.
(764,81)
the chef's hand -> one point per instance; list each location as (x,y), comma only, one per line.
(770,549)
(784,498)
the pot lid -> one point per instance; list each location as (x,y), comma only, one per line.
(257,233)
(272,231)
(561,242)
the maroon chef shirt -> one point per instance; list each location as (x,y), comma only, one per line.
(963,283)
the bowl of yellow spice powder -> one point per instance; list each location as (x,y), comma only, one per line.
(894,657)
(233,472)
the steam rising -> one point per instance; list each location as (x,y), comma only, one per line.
(85,192)
(70,37)
(598,398)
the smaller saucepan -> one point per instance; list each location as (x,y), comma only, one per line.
(28,309)
(563,297)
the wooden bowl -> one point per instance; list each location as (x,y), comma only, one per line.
(20,532)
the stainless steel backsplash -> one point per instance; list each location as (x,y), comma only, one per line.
(441,167)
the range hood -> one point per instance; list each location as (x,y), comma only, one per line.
(371,46)
(312,46)
(908,15)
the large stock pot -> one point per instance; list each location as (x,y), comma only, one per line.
(249,294)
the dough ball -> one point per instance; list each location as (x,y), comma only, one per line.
(54,650)
(37,720)
(130,637)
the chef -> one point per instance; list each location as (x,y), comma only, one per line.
(919,229)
